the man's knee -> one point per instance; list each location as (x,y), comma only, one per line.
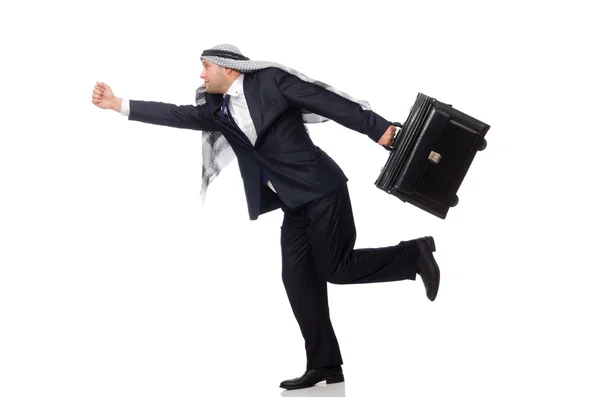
(332,272)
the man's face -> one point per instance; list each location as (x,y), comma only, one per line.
(214,78)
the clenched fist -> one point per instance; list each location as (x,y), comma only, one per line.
(387,139)
(104,98)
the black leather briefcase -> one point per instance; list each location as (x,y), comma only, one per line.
(431,155)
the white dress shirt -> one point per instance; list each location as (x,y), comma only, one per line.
(238,108)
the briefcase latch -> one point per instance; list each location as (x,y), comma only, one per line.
(434,157)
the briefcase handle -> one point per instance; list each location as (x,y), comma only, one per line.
(392,146)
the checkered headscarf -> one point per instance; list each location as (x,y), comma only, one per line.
(216,151)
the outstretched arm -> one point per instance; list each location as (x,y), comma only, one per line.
(152,112)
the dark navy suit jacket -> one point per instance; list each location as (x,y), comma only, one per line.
(299,170)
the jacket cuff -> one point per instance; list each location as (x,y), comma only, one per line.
(381,126)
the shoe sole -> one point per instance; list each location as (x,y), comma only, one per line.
(431,245)
(331,379)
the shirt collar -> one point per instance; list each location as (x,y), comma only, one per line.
(237,86)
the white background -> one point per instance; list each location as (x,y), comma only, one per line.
(116,281)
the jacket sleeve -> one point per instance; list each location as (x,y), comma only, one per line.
(328,104)
(178,116)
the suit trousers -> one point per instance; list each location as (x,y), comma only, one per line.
(317,247)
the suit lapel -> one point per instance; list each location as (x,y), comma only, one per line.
(252,94)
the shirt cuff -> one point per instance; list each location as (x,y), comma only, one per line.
(125,107)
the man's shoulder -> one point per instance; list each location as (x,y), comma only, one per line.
(269,71)
(269,76)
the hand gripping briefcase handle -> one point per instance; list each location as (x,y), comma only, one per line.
(391,147)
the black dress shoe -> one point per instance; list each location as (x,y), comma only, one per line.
(313,376)
(428,268)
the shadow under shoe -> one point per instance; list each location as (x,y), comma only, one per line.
(313,376)
(428,268)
